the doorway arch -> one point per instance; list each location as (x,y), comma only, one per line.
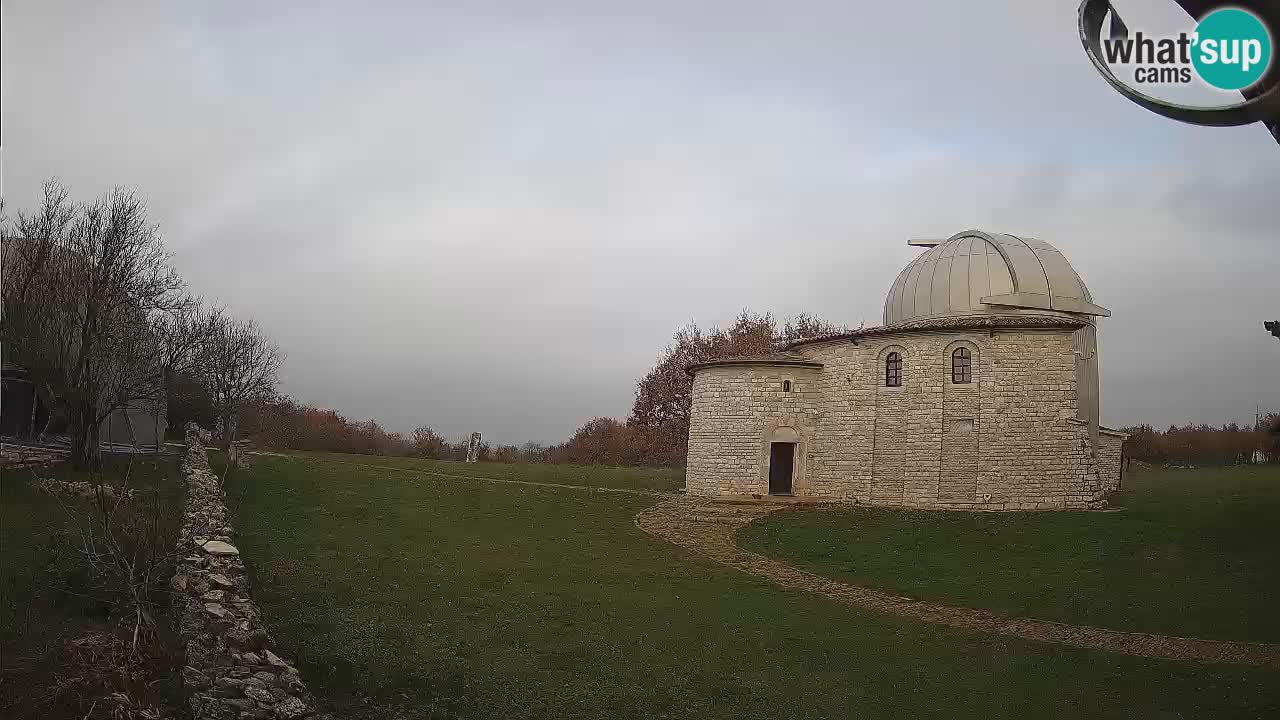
(785,433)
(789,434)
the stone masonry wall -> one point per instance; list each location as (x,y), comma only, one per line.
(735,410)
(1110,458)
(1007,441)
(232,672)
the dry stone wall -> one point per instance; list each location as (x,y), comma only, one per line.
(1009,440)
(232,672)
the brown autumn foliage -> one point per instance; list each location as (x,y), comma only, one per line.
(604,441)
(1230,444)
(427,443)
(283,423)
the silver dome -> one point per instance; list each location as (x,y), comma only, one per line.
(980,273)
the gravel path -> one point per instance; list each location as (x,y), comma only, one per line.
(709,528)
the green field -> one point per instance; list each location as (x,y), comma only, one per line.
(636,478)
(407,595)
(1194,553)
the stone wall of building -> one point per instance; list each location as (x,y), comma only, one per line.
(1009,440)
(1110,458)
(232,672)
(735,412)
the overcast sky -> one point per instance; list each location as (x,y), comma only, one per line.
(492,216)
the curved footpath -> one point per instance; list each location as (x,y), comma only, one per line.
(709,528)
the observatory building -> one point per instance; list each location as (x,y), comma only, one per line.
(979,392)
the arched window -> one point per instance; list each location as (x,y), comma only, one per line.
(962,366)
(893,370)
(786,386)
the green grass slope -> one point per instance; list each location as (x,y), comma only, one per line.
(403,595)
(1194,553)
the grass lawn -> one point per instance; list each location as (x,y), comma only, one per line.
(637,478)
(401,595)
(46,593)
(1195,553)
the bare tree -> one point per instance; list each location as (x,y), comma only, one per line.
(28,303)
(239,364)
(82,285)
(126,538)
(180,337)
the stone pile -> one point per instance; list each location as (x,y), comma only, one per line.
(232,672)
(53,486)
(17,457)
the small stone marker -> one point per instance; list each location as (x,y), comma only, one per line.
(215,610)
(218,547)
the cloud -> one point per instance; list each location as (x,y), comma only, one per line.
(494,219)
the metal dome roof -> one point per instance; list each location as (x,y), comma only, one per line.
(982,273)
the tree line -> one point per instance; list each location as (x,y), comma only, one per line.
(656,433)
(1230,444)
(284,423)
(98,318)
